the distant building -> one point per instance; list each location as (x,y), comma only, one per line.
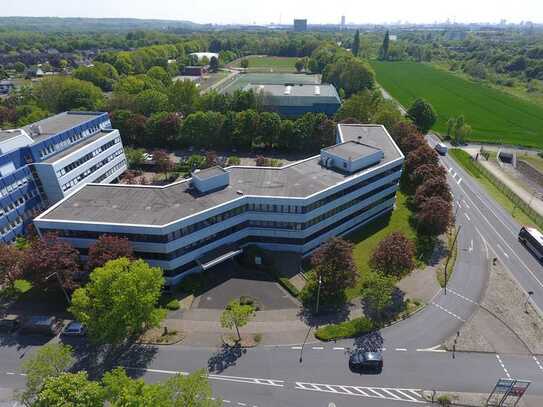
(342,21)
(6,87)
(34,72)
(291,100)
(393,37)
(300,25)
(202,55)
(194,70)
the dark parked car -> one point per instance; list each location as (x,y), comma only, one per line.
(74,328)
(370,361)
(42,325)
(9,323)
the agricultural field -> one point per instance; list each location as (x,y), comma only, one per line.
(263,63)
(495,116)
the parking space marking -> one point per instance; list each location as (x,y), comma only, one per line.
(384,393)
(503,366)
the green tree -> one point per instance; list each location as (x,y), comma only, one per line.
(183,96)
(350,74)
(393,255)
(356,43)
(70,390)
(119,301)
(377,290)
(269,126)
(160,74)
(151,101)
(60,93)
(213,64)
(299,65)
(121,390)
(422,114)
(383,52)
(49,361)
(134,157)
(20,67)
(244,63)
(192,390)
(236,315)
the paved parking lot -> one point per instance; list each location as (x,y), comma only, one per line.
(232,283)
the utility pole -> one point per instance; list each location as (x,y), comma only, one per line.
(449,257)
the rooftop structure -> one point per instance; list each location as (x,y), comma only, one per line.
(300,25)
(294,207)
(294,100)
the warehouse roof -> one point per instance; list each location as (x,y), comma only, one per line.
(156,205)
(296,94)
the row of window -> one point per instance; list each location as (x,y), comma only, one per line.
(87,157)
(90,170)
(8,189)
(109,172)
(74,138)
(257,239)
(18,202)
(27,215)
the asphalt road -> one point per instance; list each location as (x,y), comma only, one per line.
(275,376)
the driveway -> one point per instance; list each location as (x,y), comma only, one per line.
(230,282)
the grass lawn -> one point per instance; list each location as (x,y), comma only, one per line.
(285,64)
(368,237)
(534,160)
(465,160)
(495,116)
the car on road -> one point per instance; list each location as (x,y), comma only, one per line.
(441,148)
(9,323)
(532,238)
(74,328)
(42,325)
(361,360)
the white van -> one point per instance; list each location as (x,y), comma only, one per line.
(441,148)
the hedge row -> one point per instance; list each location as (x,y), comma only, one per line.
(348,329)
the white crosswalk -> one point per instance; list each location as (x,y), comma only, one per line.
(385,393)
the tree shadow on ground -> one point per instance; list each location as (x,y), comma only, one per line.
(132,356)
(332,315)
(390,313)
(370,342)
(225,357)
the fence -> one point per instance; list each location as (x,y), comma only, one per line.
(517,201)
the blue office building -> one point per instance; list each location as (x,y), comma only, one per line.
(43,162)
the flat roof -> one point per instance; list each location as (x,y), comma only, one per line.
(352,150)
(9,134)
(60,122)
(156,205)
(77,146)
(298,89)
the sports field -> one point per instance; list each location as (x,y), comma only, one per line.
(494,116)
(260,63)
(242,80)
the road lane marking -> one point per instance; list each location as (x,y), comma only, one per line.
(470,249)
(503,251)
(467,216)
(237,379)
(448,312)
(401,350)
(339,348)
(538,364)
(465,203)
(459,181)
(461,296)
(296,347)
(503,366)
(317,347)
(386,393)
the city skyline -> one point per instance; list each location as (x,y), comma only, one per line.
(317,12)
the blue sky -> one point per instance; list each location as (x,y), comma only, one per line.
(261,12)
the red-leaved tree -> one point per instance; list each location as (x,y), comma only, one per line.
(432,187)
(426,171)
(422,155)
(334,266)
(11,263)
(49,255)
(434,216)
(108,248)
(393,255)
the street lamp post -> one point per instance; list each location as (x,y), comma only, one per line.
(60,283)
(318,295)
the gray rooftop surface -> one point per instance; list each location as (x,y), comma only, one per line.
(77,146)
(129,204)
(9,134)
(352,150)
(59,123)
(325,89)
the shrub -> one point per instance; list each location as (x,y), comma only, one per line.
(173,305)
(348,329)
(287,285)
(233,160)
(444,400)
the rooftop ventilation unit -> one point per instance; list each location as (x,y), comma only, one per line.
(288,89)
(210,179)
(317,90)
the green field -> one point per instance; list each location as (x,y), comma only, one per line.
(282,64)
(495,116)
